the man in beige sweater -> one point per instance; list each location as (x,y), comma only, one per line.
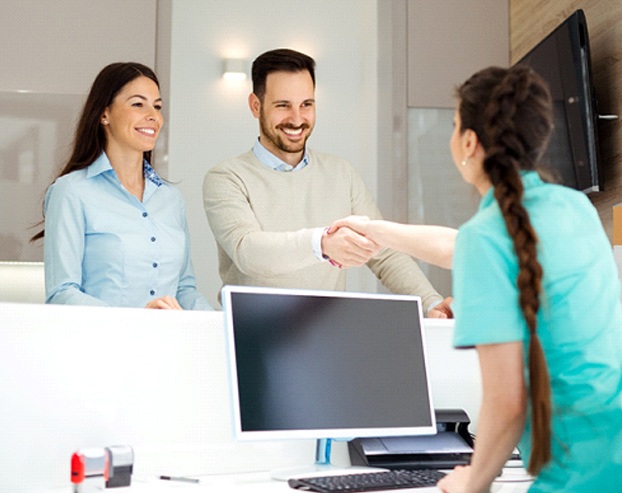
(270,208)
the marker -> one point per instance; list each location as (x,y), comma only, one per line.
(179,478)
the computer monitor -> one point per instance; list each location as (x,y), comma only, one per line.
(326,364)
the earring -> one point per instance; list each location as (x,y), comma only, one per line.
(105,122)
(464,162)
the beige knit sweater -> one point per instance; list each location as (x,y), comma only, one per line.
(263,219)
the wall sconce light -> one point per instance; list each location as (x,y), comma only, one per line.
(234,69)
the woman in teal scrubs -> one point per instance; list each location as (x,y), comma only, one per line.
(536,293)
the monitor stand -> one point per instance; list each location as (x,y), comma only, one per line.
(322,464)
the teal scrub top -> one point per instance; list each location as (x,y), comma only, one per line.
(579,325)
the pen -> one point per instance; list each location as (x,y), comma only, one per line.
(179,478)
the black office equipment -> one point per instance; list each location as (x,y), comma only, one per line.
(563,60)
(121,466)
(369,481)
(452,445)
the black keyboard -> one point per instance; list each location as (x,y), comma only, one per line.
(369,481)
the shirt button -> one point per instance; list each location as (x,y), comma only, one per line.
(152,292)
(145,214)
(153,238)
(155,264)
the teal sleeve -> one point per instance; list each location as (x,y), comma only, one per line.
(485,292)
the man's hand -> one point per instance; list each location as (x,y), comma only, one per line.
(355,223)
(347,248)
(442,310)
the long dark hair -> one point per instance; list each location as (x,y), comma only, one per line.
(510,110)
(90,138)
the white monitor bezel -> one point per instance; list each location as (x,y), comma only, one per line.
(332,433)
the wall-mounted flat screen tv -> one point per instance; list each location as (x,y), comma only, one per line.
(563,60)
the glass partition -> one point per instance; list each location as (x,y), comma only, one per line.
(436,192)
(36,131)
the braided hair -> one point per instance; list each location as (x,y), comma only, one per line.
(510,110)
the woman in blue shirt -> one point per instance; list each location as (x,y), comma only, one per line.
(536,292)
(115,232)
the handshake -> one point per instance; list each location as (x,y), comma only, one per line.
(348,244)
(354,240)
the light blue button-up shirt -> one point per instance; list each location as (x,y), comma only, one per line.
(103,246)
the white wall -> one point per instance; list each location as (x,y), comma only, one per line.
(209,119)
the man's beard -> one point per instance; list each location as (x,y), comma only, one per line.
(278,140)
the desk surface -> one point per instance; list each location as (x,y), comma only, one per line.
(260,482)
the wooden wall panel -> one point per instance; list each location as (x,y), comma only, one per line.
(532,20)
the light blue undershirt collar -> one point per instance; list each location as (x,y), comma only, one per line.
(271,161)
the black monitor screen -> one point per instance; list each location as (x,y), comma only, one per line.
(317,364)
(563,60)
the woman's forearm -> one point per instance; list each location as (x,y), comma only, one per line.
(432,244)
(503,411)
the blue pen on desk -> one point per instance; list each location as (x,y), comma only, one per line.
(179,478)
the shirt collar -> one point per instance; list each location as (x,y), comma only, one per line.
(530,179)
(151,174)
(99,166)
(271,161)
(102,165)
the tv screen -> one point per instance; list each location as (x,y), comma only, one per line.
(325,364)
(563,60)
